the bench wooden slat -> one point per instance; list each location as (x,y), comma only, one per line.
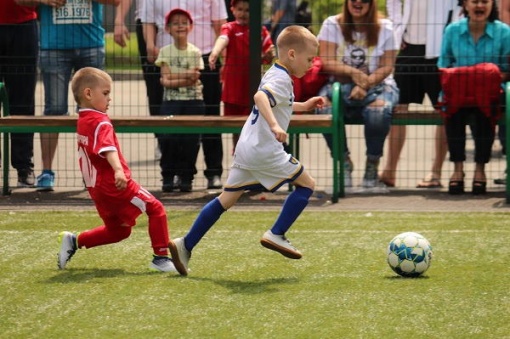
(299,123)
(152,121)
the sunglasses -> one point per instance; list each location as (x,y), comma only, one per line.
(363,1)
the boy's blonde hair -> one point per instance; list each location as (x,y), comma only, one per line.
(295,37)
(87,77)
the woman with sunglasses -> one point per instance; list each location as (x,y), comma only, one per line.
(358,49)
(479,39)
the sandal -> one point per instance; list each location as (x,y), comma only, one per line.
(387,180)
(456,187)
(430,182)
(479,187)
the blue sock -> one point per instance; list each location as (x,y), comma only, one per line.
(292,208)
(209,214)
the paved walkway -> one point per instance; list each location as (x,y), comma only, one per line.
(397,200)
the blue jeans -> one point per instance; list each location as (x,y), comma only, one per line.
(377,120)
(57,67)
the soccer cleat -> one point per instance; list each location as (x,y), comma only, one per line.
(26,178)
(162,264)
(214,182)
(67,241)
(280,244)
(45,181)
(180,255)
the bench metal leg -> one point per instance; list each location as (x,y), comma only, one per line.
(507,141)
(5,164)
(338,147)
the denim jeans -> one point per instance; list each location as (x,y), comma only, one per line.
(56,70)
(377,120)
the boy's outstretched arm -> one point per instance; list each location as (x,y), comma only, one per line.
(308,105)
(120,177)
(262,103)
(219,46)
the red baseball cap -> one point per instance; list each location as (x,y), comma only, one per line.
(177,11)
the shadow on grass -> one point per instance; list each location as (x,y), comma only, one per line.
(401,278)
(77,275)
(250,287)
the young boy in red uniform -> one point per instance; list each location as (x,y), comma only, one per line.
(235,39)
(118,198)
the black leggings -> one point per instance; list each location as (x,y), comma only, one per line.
(482,130)
(18,71)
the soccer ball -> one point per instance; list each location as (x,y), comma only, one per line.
(409,254)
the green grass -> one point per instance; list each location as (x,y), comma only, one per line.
(342,288)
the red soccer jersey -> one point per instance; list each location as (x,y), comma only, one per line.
(236,71)
(95,136)
(12,13)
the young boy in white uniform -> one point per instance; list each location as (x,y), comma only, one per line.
(260,160)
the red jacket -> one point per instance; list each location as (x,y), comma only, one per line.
(472,86)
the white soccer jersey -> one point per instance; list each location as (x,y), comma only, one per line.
(257,147)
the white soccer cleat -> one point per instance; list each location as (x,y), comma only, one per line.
(180,255)
(162,264)
(280,244)
(67,241)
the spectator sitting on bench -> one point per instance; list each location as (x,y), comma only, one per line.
(358,48)
(478,39)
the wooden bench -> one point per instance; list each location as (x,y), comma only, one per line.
(300,123)
(402,116)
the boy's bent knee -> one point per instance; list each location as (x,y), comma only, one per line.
(155,208)
(305,180)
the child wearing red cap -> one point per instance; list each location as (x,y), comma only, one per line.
(180,64)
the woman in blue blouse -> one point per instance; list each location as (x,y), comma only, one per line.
(478,38)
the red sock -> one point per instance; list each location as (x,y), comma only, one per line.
(158,228)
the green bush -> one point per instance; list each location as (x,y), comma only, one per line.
(118,58)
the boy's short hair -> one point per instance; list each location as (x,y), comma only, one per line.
(176,11)
(87,77)
(296,37)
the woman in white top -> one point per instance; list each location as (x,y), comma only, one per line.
(358,48)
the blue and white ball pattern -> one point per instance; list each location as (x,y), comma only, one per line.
(409,254)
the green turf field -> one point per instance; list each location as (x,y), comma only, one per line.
(342,288)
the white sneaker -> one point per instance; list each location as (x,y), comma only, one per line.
(180,255)
(374,187)
(162,264)
(280,244)
(68,248)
